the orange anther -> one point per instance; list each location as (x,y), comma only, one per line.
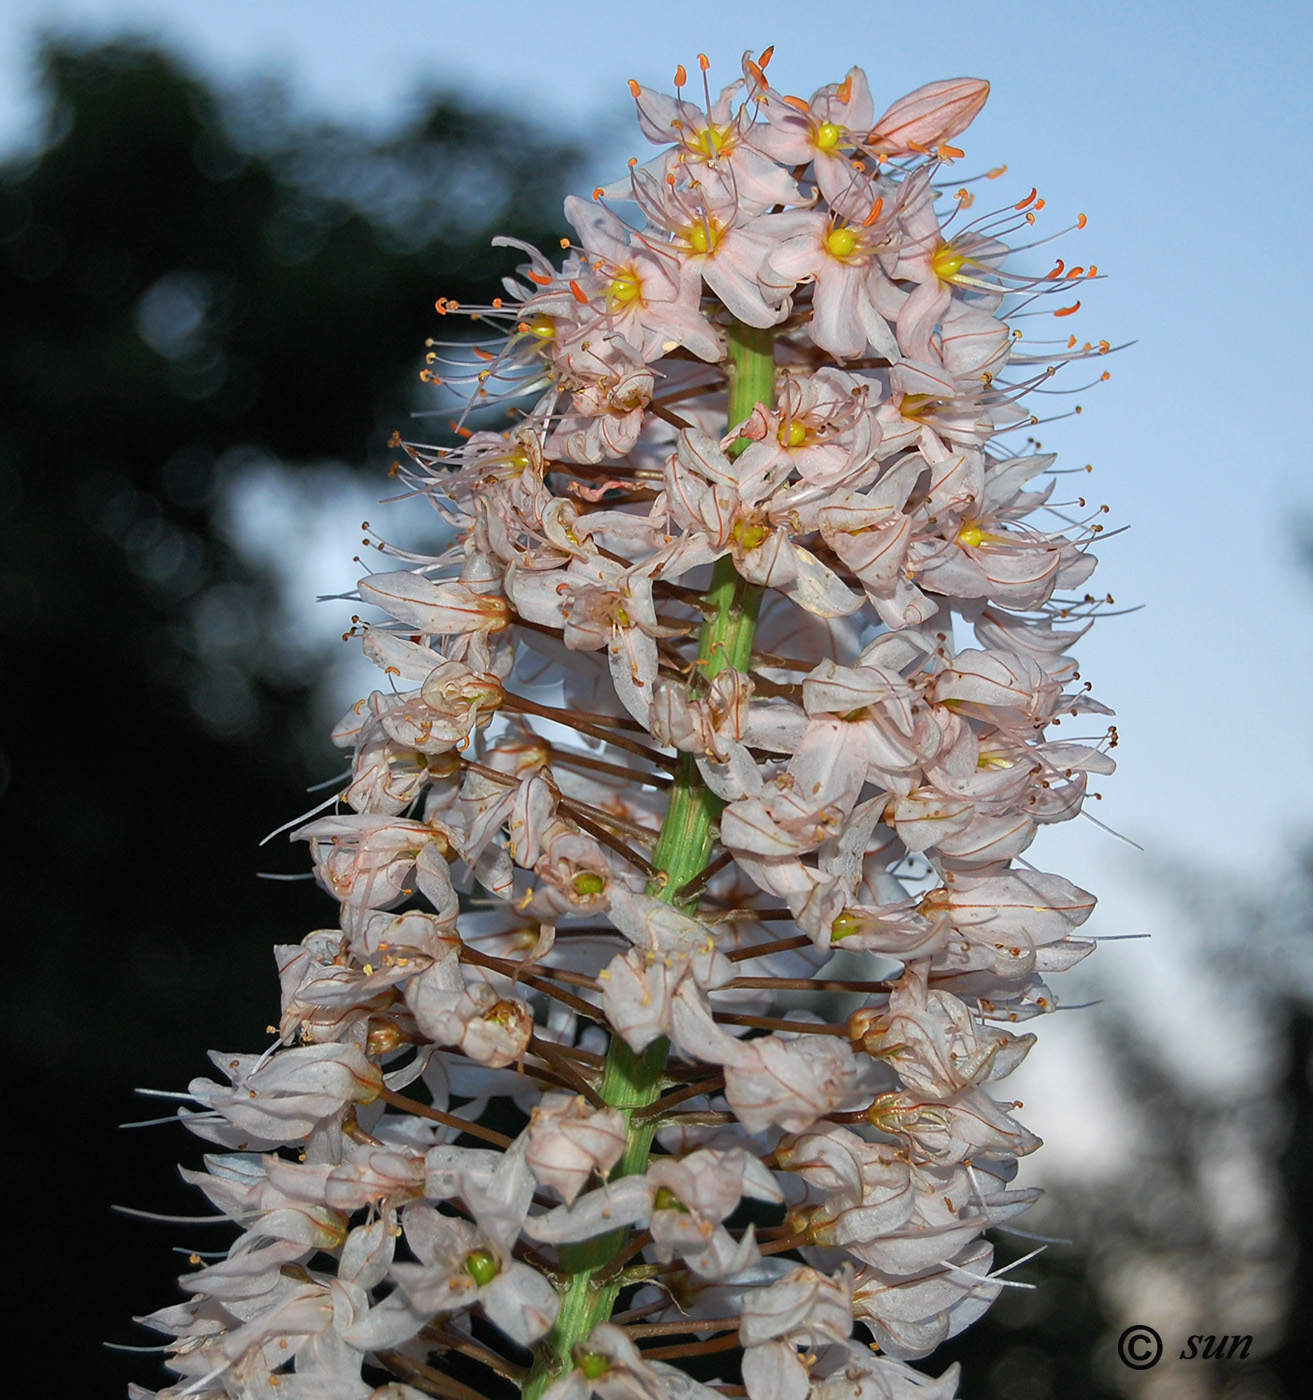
(481,353)
(1029,199)
(996,172)
(539,278)
(876,210)
(681,76)
(1057,271)
(1039,204)
(1071,344)
(1104,347)
(1107,374)
(565,243)
(918,148)
(496,303)
(580,295)
(634,89)
(1030,218)
(798,104)
(949,152)
(844,91)
(632,161)
(703,62)
(767,54)
(597,193)
(1076,272)
(1081,221)
(757,75)
(440,306)
(1067,310)
(1093,272)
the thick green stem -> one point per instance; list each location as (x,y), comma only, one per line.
(632,1081)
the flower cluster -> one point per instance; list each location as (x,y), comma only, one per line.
(684,926)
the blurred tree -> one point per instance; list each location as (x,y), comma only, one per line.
(185,281)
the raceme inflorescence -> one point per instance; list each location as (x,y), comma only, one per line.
(684,920)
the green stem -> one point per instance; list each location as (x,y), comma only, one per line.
(632,1081)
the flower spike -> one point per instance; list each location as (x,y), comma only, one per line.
(750,645)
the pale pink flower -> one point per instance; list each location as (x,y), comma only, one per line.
(568,1142)
(926,118)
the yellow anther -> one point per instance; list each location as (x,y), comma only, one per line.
(827,136)
(840,242)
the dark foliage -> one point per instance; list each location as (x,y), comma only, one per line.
(182,281)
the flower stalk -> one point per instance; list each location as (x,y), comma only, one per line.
(631,1081)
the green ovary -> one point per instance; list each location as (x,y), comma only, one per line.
(482,1267)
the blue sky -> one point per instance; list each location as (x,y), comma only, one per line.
(1184,135)
(1185,138)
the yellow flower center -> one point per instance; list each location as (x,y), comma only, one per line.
(794,435)
(843,927)
(588,882)
(827,136)
(666,1199)
(840,242)
(702,236)
(947,262)
(625,288)
(914,405)
(749,536)
(712,141)
(972,536)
